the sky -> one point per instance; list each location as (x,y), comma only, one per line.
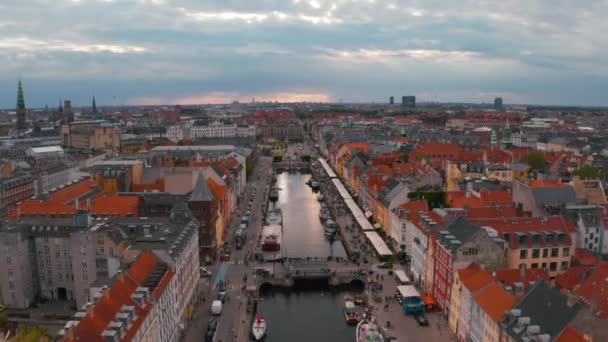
(217,51)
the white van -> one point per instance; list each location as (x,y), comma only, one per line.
(402,278)
(216,307)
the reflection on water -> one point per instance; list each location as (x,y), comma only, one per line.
(303,234)
(309,311)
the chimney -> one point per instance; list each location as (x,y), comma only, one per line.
(105,291)
(77,203)
(88,307)
(522,272)
(88,204)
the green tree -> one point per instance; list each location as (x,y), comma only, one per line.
(405,157)
(536,160)
(591,172)
(31,334)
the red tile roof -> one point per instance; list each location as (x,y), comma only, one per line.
(474,280)
(526,225)
(570,335)
(508,277)
(573,277)
(492,212)
(436,151)
(466,156)
(105,309)
(584,257)
(494,301)
(594,291)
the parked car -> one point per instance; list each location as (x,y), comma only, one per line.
(205,272)
(211,330)
(216,308)
(422,321)
(385,265)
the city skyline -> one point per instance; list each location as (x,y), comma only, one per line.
(184,52)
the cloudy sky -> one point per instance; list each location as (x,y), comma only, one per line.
(215,51)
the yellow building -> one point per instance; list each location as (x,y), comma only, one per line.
(535,242)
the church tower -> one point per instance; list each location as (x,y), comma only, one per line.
(21,112)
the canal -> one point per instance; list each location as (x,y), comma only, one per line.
(310,310)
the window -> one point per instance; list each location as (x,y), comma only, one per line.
(8,260)
(566,251)
(535,265)
(535,253)
(545,252)
(544,265)
(552,267)
(554,252)
(564,265)
(523,254)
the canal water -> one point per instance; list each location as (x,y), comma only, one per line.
(310,310)
(303,233)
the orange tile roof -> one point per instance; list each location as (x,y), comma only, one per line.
(502,198)
(494,301)
(526,225)
(218,190)
(436,150)
(110,205)
(415,206)
(570,335)
(400,139)
(492,212)
(104,311)
(72,191)
(547,184)
(358,146)
(466,156)
(159,186)
(476,281)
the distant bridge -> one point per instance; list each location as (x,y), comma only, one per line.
(291,165)
(336,273)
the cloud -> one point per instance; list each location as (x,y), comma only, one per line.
(546,51)
(229,97)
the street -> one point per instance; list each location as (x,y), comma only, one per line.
(233,322)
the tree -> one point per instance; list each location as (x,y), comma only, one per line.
(404,157)
(30,334)
(536,160)
(590,172)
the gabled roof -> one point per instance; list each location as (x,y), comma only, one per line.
(494,301)
(104,311)
(546,307)
(474,278)
(570,335)
(594,291)
(508,277)
(201,191)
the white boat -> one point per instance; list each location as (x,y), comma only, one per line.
(275,217)
(270,244)
(320,198)
(258,329)
(367,331)
(314,185)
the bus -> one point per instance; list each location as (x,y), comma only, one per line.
(411,300)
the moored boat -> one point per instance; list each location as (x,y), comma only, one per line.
(315,185)
(258,329)
(324,213)
(359,300)
(350,312)
(330,226)
(367,331)
(275,217)
(271,243)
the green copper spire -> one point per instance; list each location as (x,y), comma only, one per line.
(21,112)
(20,98)
(493,140)
(94,105)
